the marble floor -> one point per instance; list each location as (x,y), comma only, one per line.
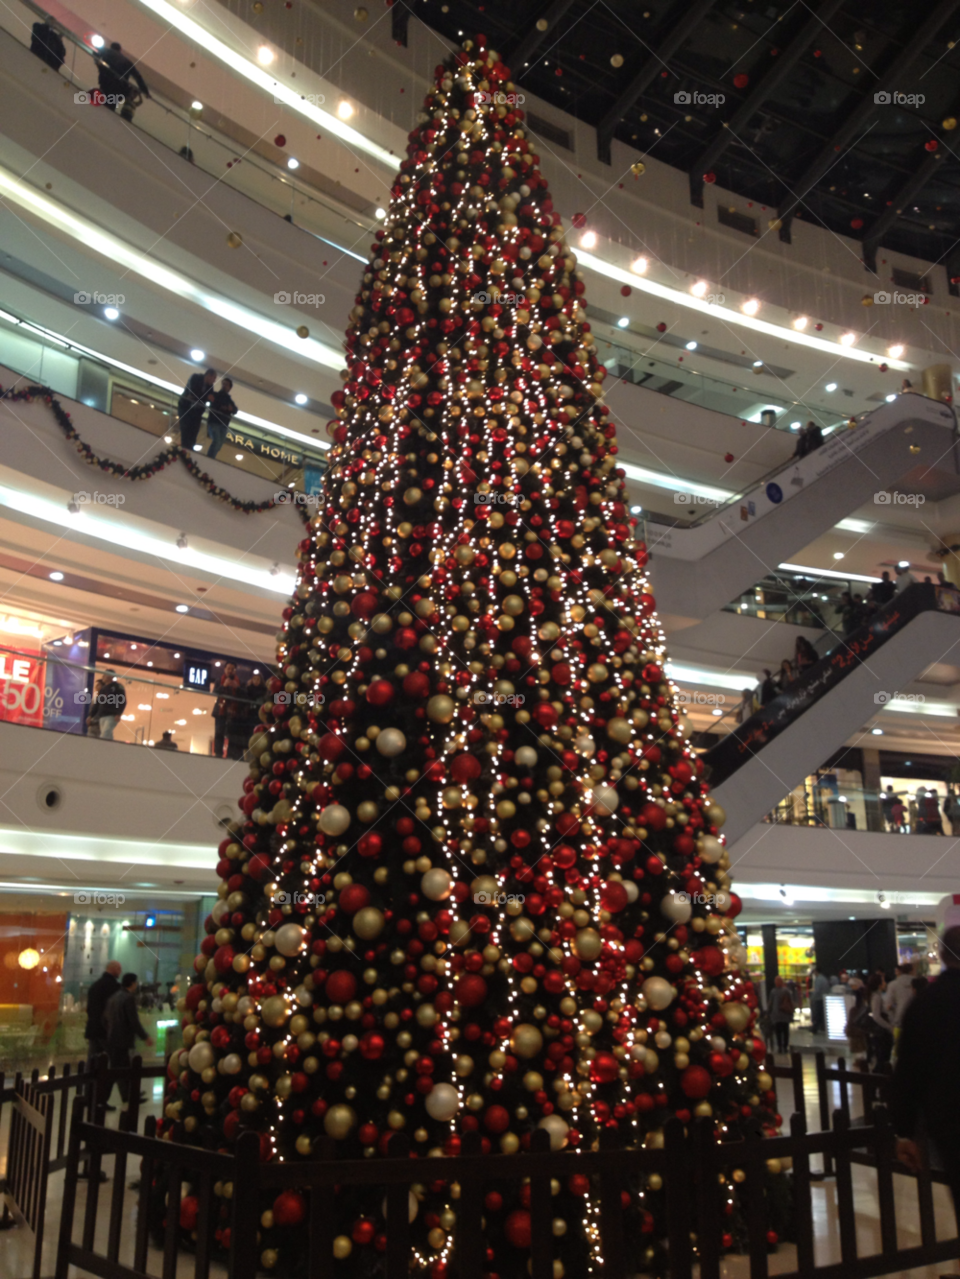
(16,1245)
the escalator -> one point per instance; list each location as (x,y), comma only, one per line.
(910,443)
(752,768)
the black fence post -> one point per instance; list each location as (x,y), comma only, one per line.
(611,1209)
(541,1214)
(886,1200)
(823,1096)
(68,1206)
(799,1100)
(398,1215)
(802,1200)
(709,1215)
(245,1219)
(320,1222)
(846,1219)
(676,1179)
(469,1241)
(756,1209)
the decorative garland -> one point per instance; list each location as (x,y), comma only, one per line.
(157,464)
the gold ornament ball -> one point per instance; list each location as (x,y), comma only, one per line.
(302,331)
(714,813)
(360,14)
(737,1016)
(440,709)
(526,1040)
(436,1237)
(588,944)
(655,1181)
(774,1166)
(268,1258)
(368,923)
(338,1121)
(950,123)
(616,60)
(342,1247)
(304,1144)
(619,730)
(234,240)
(334,819)
(638,168)
(739,1176)
(274,1011)
(368,811)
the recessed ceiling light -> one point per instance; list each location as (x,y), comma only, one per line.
(345,109)
(183,608)
(301,398)
(895,351)
(196,106)
(639,266)
(197,354)
(831,386)
(56,577)
(795,426)
(293,163)
(838,555)
(800,323)
(176,654)
(890,398)
(699,288)
(847,339)
(636,510)
(265,55)
(751,306)
(97,41)
(623,322)
(238,456)
(691,346)
(111,313)
(588,240)
(380,213)
(758,364)
(877,732)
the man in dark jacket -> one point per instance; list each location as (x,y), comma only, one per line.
(124,1027)
(192,406)
(882,592)
(47,44)
(98,996)
(222,409)
(109,705)
(926,1081)
(116,71)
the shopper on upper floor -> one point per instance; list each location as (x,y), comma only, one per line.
(116,71)
(804,656)
(224,707)
(47,44)
(928,812)
(907,388)
(745,709)
(222,409)
(926,1082)
(255,694)
(109,704)
(193,404)
(882,592)
(166,742)
(904,578)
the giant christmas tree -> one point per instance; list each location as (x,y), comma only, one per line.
(477,883)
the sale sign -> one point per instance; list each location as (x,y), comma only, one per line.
(21,689)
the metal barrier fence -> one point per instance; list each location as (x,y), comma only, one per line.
(690,1164)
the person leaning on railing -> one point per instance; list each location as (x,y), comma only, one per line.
(925,1093)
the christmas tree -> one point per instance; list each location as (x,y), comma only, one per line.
(478,884)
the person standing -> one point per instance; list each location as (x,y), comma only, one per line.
(192,405)
(124,1028)
(882,592)
(228,684)
(115,73)
(745,709)
(222,409)
(926,1079)
(786,675)
(98,996)
(767,689)
(900,993)
(111,702)
(904,578)
(781,1013)
(879,1026)
(46,43)
(818,1009)
(166,742)
(805,655)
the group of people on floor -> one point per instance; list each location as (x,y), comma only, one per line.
(236,712)
(771,686)
(201,396)
(921,813)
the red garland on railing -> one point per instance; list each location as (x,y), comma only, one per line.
(157,464)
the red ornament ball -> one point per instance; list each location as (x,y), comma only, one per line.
(709,178)
(931,145)
(625,290)
(289,1208)
(517,1228)
(709,959)
(189,1210)
(604,1068)
(856,223)
(661,327)
(696,1082)
(380,692)
(741,80)
(471,990)
(579,220)
(496,1119)
(353,898)
(465,768)
(341,986)
(728,458)
(613,896)
(735,907)
(280,140)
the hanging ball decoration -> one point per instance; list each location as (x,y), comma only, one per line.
(658,993)
(728,458)
(289,939)
(856,223)
(442,1102)
(709,178)
(616,60)
(867,299)
(949,123)
(605,800)
(741,80)
(526,757)
(360,13)
(774,224)
(619,730)
(334,819)
(661,327)
(289,1208)
(526,1040)
(201,1056)
(931,145)
(714,813)
(517,1228)
(542,24)
(436,884)
(466,768)
(470,990)
(696,1082)
(302,331)
(557,1128)
(232,1064)
(391,742)
(579,220)
(625,290)
(338,1121)
(676,907)
(274,1011)
(737,1016)
(638,168)
(234,240)
(440,709)
(369,923)
(735,907)
(280,140)
(588,944)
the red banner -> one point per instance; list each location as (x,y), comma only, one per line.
(21,689)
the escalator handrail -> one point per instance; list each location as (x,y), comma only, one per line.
(748,738)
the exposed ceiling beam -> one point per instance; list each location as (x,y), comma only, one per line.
(907,193)
(796,47)
(892,80)
(531,43)
(654,64)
